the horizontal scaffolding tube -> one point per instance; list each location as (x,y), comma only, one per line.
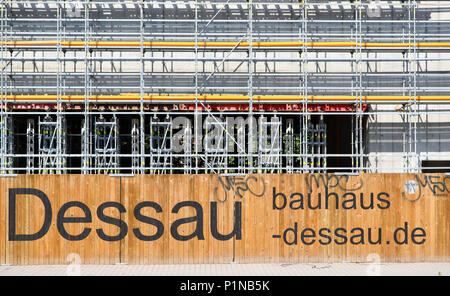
(214,98)
(227,44)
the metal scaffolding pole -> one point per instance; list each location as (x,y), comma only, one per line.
(359,117)
(135,147)
(106,145)
(86,132)
(161,161)
(413,161)
(4,91)
(59,142)
(3,87)
(30,146)
(196,111)
(289,145)
(304,87)
(252,130)
(141,88)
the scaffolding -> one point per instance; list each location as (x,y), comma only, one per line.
(269,143)
(216,145)
(52,144)
(6,144)
(107,148)
(226,86)
(161,145)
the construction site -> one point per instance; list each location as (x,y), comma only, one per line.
(224,87)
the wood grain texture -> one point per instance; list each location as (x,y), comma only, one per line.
(357,218)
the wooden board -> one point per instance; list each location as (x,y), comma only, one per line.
(190,219)
(53,248)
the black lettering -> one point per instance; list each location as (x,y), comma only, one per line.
(294,231)
(299,201)
(110,220)
(13,192)
(274,200)
(351,201)
(327,196)
(197,218)
(304,235)
(343,235)
(360,236)
(378,241)
(321,234)
(237,228)
(361,199)
(421,234)
(61,219)
(405,235)
(385,201)
(152,221)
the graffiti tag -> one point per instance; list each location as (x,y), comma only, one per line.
(240,185)
(329,181)
(436,184)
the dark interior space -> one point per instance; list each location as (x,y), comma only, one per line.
(74,126)
(339,130)
(443,166)
(125,126)
(20,140)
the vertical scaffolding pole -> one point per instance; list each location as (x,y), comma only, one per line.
(289,145)
(3,85)
(135,136)
(107,148)
(405,89)
(251,128)
(416,106)
(241,147)
(408,109)
(196,115)
(322,127)
(269,144)
(161,145)
(86,132)
(59,136)
(412,158)
(359,113)
(187,147)
(304,88)
(360,91)
(141,89)
(30,146)
(52,144)
(5,119)
(216,144)
(7,145)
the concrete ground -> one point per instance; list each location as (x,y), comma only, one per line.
(300,269)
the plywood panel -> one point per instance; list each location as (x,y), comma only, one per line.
(336,218)
(52,247)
